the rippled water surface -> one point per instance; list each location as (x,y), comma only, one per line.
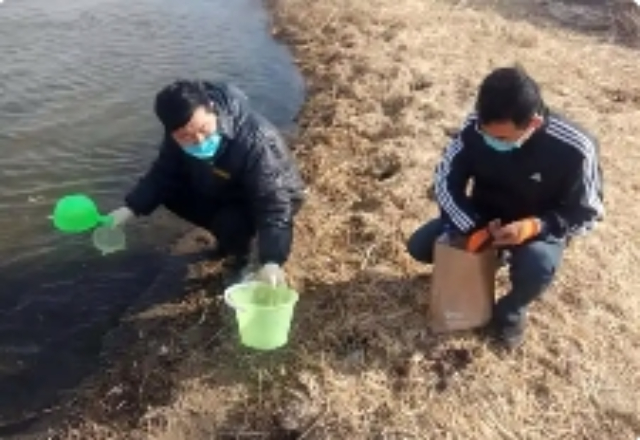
(77,82)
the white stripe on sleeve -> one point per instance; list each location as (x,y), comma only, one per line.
(444,197)
(586,147)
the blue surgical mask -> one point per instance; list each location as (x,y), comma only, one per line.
(501,146)
(205,149)
(504,146)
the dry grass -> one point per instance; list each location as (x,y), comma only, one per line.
(389,81)
(611,20)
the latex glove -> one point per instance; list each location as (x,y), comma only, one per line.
(121,216)
(515,233)
(270,273)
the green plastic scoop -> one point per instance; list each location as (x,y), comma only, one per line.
(77,213)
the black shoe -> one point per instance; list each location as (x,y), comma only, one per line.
(509,336)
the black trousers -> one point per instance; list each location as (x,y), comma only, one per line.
(532,267)
(230,223)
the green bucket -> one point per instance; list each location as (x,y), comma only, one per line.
(263,313)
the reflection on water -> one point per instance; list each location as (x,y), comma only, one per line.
(77,81)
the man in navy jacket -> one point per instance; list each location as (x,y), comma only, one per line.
(535,182)
(225,168)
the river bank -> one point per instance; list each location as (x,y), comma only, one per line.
(389,81)
(76,111)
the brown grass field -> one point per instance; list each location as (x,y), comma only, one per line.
(389,82)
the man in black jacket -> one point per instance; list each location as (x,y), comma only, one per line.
(536,183)
(225,168)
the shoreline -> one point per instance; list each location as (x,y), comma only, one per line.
(383,97)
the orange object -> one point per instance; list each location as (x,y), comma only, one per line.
(478,240)
(529,228)
(517,232)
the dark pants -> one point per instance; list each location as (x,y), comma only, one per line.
(231,224)
(532,268)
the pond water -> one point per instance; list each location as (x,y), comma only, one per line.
(77,83)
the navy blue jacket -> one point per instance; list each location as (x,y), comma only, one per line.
(555,176)
(253,167)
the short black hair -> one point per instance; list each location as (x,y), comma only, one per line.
(508,94)
(176,103)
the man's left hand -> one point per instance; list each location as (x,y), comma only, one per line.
(517,232)
(271,273)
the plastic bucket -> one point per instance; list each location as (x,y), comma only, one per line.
(263,313)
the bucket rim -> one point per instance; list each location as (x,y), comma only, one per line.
(248,284)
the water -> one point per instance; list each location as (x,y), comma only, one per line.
(77,82)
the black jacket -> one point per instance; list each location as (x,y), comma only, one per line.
(253,166)
(555,176)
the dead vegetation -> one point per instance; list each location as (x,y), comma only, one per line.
(616,21)
(389,81)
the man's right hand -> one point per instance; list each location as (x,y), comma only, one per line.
(121,216)
(479,240)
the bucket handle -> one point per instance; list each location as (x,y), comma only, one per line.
(227,300)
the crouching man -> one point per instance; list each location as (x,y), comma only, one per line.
(222,167)
(535,183)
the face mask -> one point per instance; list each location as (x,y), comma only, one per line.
(504,146)
(206,149)
(498,145)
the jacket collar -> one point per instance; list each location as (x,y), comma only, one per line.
(224,121)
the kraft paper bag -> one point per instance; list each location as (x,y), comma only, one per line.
(463,287)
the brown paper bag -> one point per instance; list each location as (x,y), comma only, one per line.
(462,288)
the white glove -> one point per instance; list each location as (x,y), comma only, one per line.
(121,216)
(270,273)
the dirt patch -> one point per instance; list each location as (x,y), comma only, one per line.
(612,21)
(389,81)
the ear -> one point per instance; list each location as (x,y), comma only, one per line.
(537,121)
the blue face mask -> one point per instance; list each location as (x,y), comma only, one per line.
(505,146)
(501,146)
(206,149)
